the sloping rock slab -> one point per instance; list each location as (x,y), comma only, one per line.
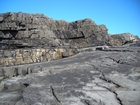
(88,78)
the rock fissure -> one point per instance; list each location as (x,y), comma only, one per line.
(117,61)
(119,100)
(120,61)
(26,84)
(108,81)
(53,93)
(104,78)
(87,103)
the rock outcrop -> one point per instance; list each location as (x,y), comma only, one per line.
(122,39)
(20,30)
(40,34)
(101,69)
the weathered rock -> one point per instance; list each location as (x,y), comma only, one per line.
(122,39)
(1,72)
(129,97)
(10,72)
(64,55)
(36,32)
(1,19)
(39,30)
(26,56)
(100,74)
(90,77)
(13,97)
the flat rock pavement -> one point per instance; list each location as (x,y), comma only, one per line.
(87,78)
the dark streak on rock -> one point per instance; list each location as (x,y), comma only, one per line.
(53,93)
(50,72)
(87,102)
(120,101)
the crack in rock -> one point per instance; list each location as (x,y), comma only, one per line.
(87,102)
(120,101)
(116,95)
(108,81)
(117,61)
(104,78)
(26,84)
(53,93)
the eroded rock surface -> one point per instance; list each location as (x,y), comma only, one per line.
(88,78)
(96,69)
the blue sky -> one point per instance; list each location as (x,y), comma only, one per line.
(118,15)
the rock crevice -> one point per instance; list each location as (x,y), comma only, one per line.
(53,93)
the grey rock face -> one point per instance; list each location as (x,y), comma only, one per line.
(33,30)
(19,30)
(122,39)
